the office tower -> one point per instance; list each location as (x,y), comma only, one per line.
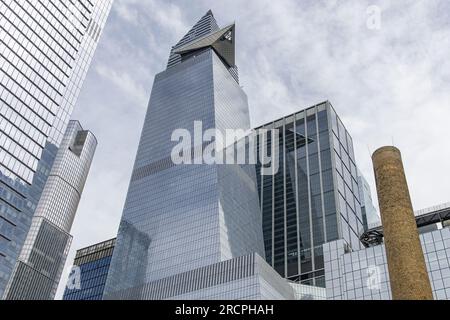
(192,231)
(47,47)
(364,275)
(41,261)
(370,216)
(313,198)
(90,268)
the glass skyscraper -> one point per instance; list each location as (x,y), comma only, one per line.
(93,263)
(370,215)
(41,261)
(192,231)
(46,50)
(313,198)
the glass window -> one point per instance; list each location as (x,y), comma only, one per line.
(338,163)
(342,134)
(300,116)
(324,140)
(327,180)
(350,147)
(314,164)
(323,120)
(340,184)
(311,125)
(342,206)
(329,202)
(334,125)
(325,157)
(336,145)
(315,184)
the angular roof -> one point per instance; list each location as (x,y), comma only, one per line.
(205,33)
(222,41)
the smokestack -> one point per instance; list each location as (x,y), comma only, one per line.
(406,263)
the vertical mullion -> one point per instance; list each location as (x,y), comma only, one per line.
(321,178)
(273,198)
(311,230)
(284,198)
(297,209)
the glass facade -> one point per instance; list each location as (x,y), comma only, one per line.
(313,198)
(371,218)
(363,274)
(93,263)
(246,277)
(179,218)
(37,273)
(47,47)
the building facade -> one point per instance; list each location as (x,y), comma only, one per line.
(305,292)
(47,47)
(91,267)
(246,277)
(363,274)
(313,198)
(182,220)
(41,261)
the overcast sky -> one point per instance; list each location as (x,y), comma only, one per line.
(389,84)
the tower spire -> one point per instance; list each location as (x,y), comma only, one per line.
(207,24)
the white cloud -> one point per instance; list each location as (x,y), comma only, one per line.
(125,82)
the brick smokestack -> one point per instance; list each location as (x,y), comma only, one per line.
(406,263)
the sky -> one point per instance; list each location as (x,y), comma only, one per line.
(384,65)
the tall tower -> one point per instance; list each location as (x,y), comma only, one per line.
(38,270)
(313,198)
(47,47)
(189,227)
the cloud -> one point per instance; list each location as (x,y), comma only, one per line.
(125,82)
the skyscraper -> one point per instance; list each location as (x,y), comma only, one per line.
(41,261)
(47,47)
(313,198)
(93,263)
(370,216)
(192,230)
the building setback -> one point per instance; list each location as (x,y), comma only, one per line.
(314,196)
(41,261)
(93,265)
(47,47)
